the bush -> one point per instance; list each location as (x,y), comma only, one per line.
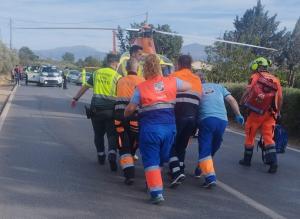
(290,111)
(8,59)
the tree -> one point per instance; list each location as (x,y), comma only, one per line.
(8,59)
(80,63)
(68,57)
(254,27)
(27,56)
(291,54)
(167,45)
(90,61)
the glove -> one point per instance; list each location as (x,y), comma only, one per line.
(239,119)
(73,103)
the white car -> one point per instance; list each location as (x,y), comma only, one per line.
(33,74)
(50,76)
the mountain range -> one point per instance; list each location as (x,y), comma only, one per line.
(80,52)
(197,51)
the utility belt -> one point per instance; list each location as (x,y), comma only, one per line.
(93,111)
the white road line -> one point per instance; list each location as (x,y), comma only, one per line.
(6,108)
(242,134)
(263,209)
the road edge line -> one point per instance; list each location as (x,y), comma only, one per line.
(242,134)
(260,207)
(6,107)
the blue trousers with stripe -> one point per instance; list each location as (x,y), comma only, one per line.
(155,142)
(210,137)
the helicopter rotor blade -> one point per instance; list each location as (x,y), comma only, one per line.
(215,40)
(132,29)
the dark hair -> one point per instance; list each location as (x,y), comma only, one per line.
(134,49)
(110,58)
(185,61)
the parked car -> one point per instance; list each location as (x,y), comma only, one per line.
(73,76)
(33,74)
(50,76)
(87,76)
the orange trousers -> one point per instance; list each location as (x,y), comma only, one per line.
(266,124)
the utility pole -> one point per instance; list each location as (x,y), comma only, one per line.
(146,17)
(10,31)
(114,42)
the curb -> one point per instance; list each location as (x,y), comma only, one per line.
(6,100)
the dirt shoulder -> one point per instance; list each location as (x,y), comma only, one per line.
(6,86)
(293,142)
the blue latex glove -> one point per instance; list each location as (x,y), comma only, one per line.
(239,119)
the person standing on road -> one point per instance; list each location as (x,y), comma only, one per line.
(156,97)
(65,75)
(212,121)
(127,129)
(103,82)
(17,75)
(186,110)
(263,98)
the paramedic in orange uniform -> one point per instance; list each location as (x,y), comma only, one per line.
(156,97)
(186,111)
(261,116)
(127,129)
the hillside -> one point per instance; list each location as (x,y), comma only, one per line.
(197,51)
(80,52)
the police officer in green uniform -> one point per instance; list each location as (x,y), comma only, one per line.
(103,82)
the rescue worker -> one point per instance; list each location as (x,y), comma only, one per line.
(263,98)
(136,52)
(156,98)
(83,76)
(64,76)
(212,121)
(104,82)
(186,110)
(127,129)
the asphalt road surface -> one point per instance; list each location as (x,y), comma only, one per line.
(48,169)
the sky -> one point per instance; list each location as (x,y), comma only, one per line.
(208,19)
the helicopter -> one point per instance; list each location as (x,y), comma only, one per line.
(145,40)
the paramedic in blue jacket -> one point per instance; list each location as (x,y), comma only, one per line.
(212,122)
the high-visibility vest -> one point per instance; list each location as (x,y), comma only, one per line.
(83,76)
(127,84)
(187,102)
(125,90)
(158,93)
(105,80)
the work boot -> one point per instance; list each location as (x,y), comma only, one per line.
(247,157)
(271,159)
(112,158)
(101,159)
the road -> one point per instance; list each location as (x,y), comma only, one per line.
(48,169)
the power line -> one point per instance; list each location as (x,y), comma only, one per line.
(73,23)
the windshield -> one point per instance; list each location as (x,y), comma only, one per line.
(49,69)
(74,73)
